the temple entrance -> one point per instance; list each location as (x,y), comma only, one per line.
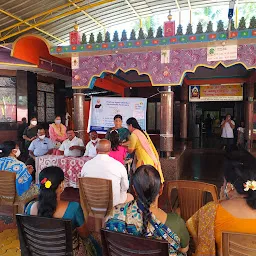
(209,115)
(213,94)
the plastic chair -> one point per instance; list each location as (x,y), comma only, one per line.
(118,244)
(191,195)
(234,244)
(96,198)
(44,236)
(8,196)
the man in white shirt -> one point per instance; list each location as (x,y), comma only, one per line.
(90,149)
(227,127)
(72,146)
(105,167)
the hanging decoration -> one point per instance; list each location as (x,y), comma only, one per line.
(79,45)
(75,61)
(74,36)
(169,26)
(165,56)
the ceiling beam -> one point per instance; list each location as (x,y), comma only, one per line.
(27,23)
(190,12)
(87,14)
(56,9)
(135,12)
(43,22)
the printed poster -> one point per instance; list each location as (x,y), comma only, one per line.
(103,110)
(232,92)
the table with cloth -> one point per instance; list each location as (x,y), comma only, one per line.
(71,167)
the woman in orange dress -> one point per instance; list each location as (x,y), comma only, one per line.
(57,132)
(236,213)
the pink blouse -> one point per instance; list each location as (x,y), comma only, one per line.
(60,135)
(119,154)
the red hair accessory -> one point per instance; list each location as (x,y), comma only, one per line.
(43,181)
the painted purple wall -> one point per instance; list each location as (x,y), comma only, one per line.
(181,61)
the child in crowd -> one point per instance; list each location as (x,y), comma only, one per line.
(118,152)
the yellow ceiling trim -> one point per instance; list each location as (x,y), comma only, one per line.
(87,14)
(92,5)
(25,22)
(40,15)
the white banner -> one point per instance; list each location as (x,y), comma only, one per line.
(228,52)
(165,56)
(103,110)
(75,62)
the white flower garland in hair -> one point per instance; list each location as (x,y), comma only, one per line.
(250,184)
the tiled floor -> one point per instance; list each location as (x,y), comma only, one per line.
(203,165)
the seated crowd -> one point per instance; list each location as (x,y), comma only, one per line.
(136,208)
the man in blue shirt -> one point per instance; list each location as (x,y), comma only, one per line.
(39,147)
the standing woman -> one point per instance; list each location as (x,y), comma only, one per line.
(30,133)
(123,132)
(57,133)
(141,144)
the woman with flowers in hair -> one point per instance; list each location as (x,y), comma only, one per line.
(236,212)
(50,205)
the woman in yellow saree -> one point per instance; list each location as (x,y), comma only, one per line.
(142,145)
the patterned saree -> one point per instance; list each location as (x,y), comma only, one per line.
(127,218)
(201,228)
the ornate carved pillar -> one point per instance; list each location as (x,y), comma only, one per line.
(79,113)
(249,113)
(166,125)
(184,113)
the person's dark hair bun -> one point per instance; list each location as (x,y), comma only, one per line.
(240,167)
(7,147)
(47,200)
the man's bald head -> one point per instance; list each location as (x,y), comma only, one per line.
(103,146)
